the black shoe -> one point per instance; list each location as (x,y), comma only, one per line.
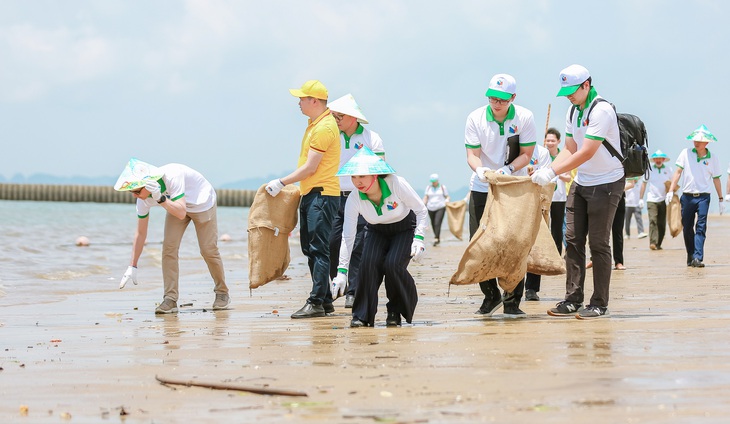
(356,323)
(309,311)
(513,310)
(696,263)
(436,242)
(349,300)
(393,319)
(328,308)
(531,295)
(488,307)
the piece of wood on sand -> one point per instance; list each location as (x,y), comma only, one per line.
(228,386)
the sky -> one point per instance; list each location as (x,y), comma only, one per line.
(85,85)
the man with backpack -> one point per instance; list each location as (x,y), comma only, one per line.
(594,195)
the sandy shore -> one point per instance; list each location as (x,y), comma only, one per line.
(663,356)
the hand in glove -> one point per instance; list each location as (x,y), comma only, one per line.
(338,285)
(543,176)
(504,171)
(480,173)
(669,198)
(722,207)
(154,188)
(641,203)
(417,249)
(131,274)
(727,197)
(274,187)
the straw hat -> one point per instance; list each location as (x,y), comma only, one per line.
(702,134)
(347,105)
(365,162)
(659,155)
(136,174)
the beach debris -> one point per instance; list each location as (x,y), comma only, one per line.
(226,237)
(227,386)
(183,305)
(23,410)
(55,340)
(65,415)
(82,241)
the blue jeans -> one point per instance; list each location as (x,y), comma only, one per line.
(694,235)
(316,216)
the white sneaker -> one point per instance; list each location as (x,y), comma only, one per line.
(643,235)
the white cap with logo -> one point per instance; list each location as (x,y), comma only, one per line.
(571,78)
(502,86)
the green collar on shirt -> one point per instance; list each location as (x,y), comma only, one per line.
(707,156)
(591,96)
(659,168)
(359,130)
(553,157)
(510,115)
(386,192)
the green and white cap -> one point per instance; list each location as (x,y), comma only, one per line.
(365,162)
(571,78)
(502,86)
(136,174)
(347,105)
(702,134)
(660,155)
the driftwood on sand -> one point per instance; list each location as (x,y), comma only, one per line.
(228,386)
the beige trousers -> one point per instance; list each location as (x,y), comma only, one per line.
(206,228)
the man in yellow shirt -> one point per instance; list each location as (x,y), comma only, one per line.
(319,160)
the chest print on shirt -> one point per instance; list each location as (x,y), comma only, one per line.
(358,145)
(513,129)
(533,161)
(585,122)
(391,205)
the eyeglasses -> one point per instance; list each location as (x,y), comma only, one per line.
(338,116)
(497,101)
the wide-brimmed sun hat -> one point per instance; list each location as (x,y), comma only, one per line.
(136,174)
(702,134)
(365,162)
(348,106)
(659,155)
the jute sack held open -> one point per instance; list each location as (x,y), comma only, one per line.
(506,233)
(270,220)
(455,212)
(544,258)
(674,216)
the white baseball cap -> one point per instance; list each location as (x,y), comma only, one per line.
(434,177)
(347,105)
(502,86)
(571,78)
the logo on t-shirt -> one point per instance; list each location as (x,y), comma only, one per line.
(513,129)
(585,122)
(358,146)
(705,162)
(391,205)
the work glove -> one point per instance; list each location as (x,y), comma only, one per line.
(543,176)
(338,285)
(154,188)
(131,274)
(274,187)
(722,207)
(504,171)
(727,197)
(417,249)
(480,173)
(669,198)
(641,203)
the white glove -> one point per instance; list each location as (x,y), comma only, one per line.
(154,188)
(504,171)
(338,285)
(727,197)
(543,176)
(641,203)
(722,207)
(669,198)
(131,274)
(274,187)
(480,173)
(417,249)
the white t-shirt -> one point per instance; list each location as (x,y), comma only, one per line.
(697,173)
(633,194)
(658,176)
(396,206)
(602,168)
(436,197)
(490,137)
(178,181)
(348,148)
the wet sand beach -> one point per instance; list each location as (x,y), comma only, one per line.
(663,355)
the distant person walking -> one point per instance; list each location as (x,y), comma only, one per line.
(319,157)
(435,199)
(700,172)
(634,205)
(658,183)
(186,196)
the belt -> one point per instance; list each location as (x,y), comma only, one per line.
(316,190)
(345,193)
(698,194)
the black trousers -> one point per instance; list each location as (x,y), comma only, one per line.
(353,272)
(617,231)
(437,217)
(386,254)
(557,216)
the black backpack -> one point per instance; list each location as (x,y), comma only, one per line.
(634,155)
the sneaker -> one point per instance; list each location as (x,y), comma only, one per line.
(643,235)
(531,295)
(357,323)
(349,300)
(393,319)
(167,307)
(436,242)
(221,302)
(696,263)
(626,237)
(488,308)
(565,308)
(592,312)
(513,311)
(328,308)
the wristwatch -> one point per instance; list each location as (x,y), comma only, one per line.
(163,198)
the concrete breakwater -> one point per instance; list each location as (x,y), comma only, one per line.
(101,194)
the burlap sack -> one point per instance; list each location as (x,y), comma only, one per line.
(455,212)
(674,216)
(270,220)
(544,258)
(506,233)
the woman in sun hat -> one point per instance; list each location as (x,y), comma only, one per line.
(435,199)
(658,182)
(701,172)
(394,233)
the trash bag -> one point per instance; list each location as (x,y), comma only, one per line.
(544,258)
(455,212)
(674,216)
